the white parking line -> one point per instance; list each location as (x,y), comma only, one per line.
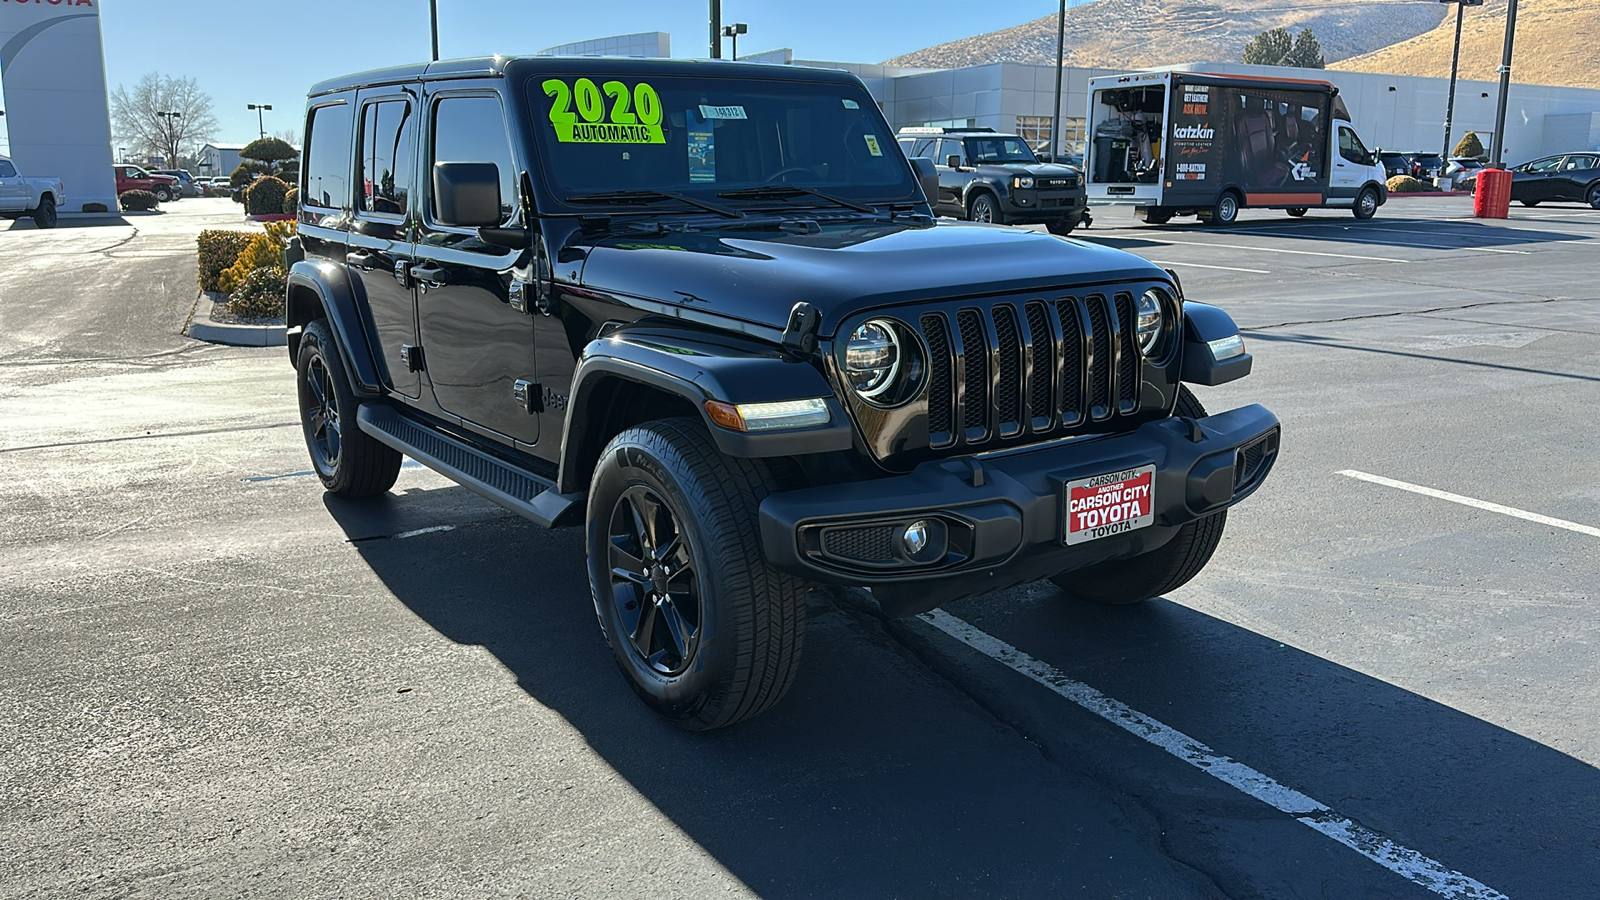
(1412,244)
(433,530)
(1271,250)
(1223,268)
(1472,502)
(1408,863)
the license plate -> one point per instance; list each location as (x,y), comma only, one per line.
(1114,503)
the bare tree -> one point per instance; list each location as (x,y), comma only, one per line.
(289,136)
(144,117)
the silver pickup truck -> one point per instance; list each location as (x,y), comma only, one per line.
(22,196)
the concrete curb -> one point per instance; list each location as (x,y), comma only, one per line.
(201,328)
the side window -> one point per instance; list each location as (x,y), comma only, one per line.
(386,155)
(1545,165)
(327,168)
(472,129)
(905,147)
(1574,163)
(951,147)
(923,147)
(7,170)
(1351,148)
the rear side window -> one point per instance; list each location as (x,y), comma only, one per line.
(327,168)
(386,156)
(473,129)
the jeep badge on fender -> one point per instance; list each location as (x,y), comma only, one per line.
(705,312)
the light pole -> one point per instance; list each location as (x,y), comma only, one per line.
(433,20)
(1455,69)
(716,29)
(733,31)
(260,108)
(122,154)
(1061,49)
(1505,85)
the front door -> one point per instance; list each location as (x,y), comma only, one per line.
(953,180)
(476,346)
(13,194)
(380,239)
(1350,167)
(1536,181)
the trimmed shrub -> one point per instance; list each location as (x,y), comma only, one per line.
(1405,184)
(1470,146)
(137,201)
(244,173)
(269,149)
(291,201)
(218,251)
(265,197)
(265,251)
(94,207)
(259,294)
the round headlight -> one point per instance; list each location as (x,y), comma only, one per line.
(872,358)
(1150,321)
(1024,181)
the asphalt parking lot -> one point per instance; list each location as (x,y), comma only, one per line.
(218,682)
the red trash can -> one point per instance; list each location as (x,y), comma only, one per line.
(1492,197)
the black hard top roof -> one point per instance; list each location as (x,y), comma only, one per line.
(501,66)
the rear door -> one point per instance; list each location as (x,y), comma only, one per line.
(383,228)
(476,345)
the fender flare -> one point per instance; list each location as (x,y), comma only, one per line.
(318,289)
(976,185)
(696,367)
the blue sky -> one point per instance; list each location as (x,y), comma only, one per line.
(270,52)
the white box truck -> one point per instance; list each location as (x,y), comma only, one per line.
(1190,143)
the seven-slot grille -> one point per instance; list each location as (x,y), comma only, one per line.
(997,369)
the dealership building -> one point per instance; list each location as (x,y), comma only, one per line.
(1399,112)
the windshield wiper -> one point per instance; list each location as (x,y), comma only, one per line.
(653,196)
(781,191)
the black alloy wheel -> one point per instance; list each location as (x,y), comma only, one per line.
(348,461)
(984,209)
(45,215)
(654,586)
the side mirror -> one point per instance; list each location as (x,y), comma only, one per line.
(466,194)
(953,161)
(927,176)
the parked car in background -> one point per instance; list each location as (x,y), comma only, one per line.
(187,186)
(1568,177)
(1394,163)
(214,186)
(1426,165)
(21,196)
(133,178)
(989,177)
(1463,164)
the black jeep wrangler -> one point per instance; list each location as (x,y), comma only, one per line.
(702,310)
(990,177)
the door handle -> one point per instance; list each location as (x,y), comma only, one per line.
(361,260)
(428,275)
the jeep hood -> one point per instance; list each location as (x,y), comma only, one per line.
(758,276)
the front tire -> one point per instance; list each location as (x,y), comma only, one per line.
(45,215)
(1594,196)
(163,195)
(1119,582)
(1296,212)
(704,631)
(1366,204)
(983,208)
(348,461)
(1064,227)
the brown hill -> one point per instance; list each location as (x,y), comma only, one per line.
(1126,34)
(1555,45)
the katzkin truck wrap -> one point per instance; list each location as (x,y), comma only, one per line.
(1270,142)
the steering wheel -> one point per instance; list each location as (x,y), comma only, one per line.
(785,171)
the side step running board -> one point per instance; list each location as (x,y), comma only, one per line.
(518,490)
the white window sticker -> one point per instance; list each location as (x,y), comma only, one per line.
(872,145)
(851,104)
(721,112)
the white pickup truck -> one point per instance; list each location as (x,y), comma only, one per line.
(21,196)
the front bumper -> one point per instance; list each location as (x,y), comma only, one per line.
(997,520)
(1027,205)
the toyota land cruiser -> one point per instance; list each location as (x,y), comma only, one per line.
(702,310)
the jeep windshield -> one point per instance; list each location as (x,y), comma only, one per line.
(995,150)
(631,143)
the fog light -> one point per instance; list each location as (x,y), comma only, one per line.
(915,538)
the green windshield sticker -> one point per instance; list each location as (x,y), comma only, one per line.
(872,145)
(606,114)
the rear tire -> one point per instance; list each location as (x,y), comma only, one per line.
(45,215)
(1120,582)
(1296,212)
(1529,203)
(1064,226)
(348,461)
(1155,215)
(704,631)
